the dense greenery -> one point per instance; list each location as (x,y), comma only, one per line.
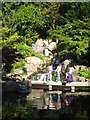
(85,73)
(23,23)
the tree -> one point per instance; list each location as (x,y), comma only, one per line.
(52,14)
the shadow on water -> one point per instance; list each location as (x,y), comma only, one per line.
(45,104)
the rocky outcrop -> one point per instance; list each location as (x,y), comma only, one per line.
(44,46)
(66,65)
(35,94)
(32,63)
(34,60)
(70,66)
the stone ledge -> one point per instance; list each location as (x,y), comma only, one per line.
(60,84)
(78,84)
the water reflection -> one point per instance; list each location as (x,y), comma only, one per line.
(59,102)
(23,99)
(44,104)
(52,101)
(54,105)
(68,100)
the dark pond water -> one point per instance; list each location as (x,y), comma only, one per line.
(46,105)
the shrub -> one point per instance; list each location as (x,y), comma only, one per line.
(85,73)
(24,49)
(18,64)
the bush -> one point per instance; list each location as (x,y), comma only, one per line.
(85,73)
(24,49)
(18,64)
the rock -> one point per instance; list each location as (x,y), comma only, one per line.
(52,46)
(75,77)
(40,42)
(81,79)
(18,71)
(82,66)
(77,68)
(46,43)
(87,80)
(40,104)
(88,68)
(71,69)
(66,65)
(34,61)
(30,68)
(37,48)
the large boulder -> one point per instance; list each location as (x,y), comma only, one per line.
(32,63)
(66,65)
(47,52)
(69,66)
(30,69)
(81,79)
(75,77)
(71,69)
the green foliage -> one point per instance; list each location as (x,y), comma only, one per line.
(24,49)
(26,19)
(9,42)
(52,15)
(5,32)
(38,55)
(23,23)
(18,64)
(85,73)
(73,39)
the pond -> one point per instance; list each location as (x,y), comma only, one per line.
(46,104)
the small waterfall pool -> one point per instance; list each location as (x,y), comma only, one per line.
(43,75)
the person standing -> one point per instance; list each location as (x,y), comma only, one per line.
(50,68)
(58,72)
